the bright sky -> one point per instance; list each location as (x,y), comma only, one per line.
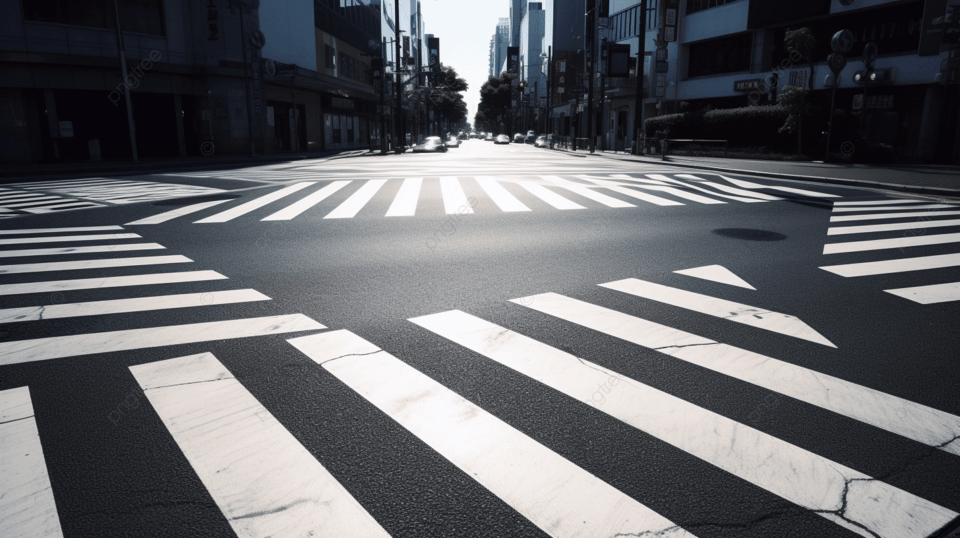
(465,28)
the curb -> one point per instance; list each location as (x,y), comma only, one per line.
(797,177)
(39,175)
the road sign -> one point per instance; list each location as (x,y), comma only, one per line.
(257,39)
(577,91)
(842,41)
(837,62)
(870,52)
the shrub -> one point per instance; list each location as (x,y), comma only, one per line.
(742,127)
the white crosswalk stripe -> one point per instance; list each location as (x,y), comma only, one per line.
(751,455)
(553,493)
(27,506)
(618,191)
(262,479)
(915,236)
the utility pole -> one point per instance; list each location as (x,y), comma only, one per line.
(590,49)
(126,86)
(246,76)
(399,83)
(549,90)
(383,91)
(638,126)
(603,99)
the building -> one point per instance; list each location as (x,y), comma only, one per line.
(532,63)
(498,46)
(563,40)
(518,8)
(310,85)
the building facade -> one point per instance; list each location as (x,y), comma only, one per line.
(532,61)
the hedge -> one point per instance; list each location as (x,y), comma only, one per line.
(754,126)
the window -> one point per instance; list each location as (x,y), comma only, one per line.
(694,6)
(142,16)
(627,23)
(330,60)
(717,56)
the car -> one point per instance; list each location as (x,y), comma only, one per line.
(518,138)
(541,142)
(530,138)
(463,136)
(490,137)
(430,144)
(453,142)
(502,139)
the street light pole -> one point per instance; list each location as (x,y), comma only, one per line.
(246,77)
(383,92)
(591,36)
(126,90)
(638,126)
(399,62)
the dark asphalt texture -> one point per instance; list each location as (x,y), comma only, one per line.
(116,471)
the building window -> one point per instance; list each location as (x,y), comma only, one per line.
(627,23)
(141,16)
(717,56)
(694,6)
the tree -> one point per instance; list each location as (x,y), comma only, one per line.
(446,96)
(801,44)
(495,102)
(793,98)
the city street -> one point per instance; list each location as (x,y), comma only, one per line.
(493,341)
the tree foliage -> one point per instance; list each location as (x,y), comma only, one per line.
(447,96)
(495,101)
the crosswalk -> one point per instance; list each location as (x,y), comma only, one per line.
(265,482)
(62,195)
(897,250)
(413,196)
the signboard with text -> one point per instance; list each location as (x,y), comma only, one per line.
(747,85)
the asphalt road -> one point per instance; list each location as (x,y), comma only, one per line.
(511,352)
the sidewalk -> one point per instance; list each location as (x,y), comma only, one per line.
(926,179)
(28,172)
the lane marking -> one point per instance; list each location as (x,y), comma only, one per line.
(903,265)
(253,205)
(134,304)
(500,195)
(682,194)
(554,494)
(672,181)
(549,196)
(91,264)
(454,199)
(731,190)
(902,417)
(613,186)
(79,250)
(45,200)
(786,470)
(586,192)
(352,205)
(716,273)
(262,479)
(871,228)
(58,347)
(898,242)
(179,212)
(405,203)
(879,202)
(27,505)
(911,208)
(740,313)
(52,208)
(848,218)
(67,238)
(751,185)
(311,200)
(933,294)
(109,282)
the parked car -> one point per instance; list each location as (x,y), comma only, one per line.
(541,142)
(530,138)
(431,144)
(518,138)
(502,139)
(453,142)
(463,136)
(490,138)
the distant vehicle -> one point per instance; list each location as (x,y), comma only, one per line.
(490,137)
(502,139)
(518,138)
(530,138)
(541,142)
(463,136)
(453,142)
(431,144)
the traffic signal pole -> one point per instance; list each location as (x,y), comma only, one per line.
(399,83)
(638,126)
(591,53)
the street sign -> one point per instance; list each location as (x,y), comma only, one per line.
(257,39)
(663,66)
(660,92)
(270,67)
(837,62)
(870,52)
(842,41)
(577,91)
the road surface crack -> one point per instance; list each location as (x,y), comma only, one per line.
(351,355)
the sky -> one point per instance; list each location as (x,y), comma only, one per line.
(465,28)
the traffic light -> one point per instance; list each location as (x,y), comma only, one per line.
(872,76)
